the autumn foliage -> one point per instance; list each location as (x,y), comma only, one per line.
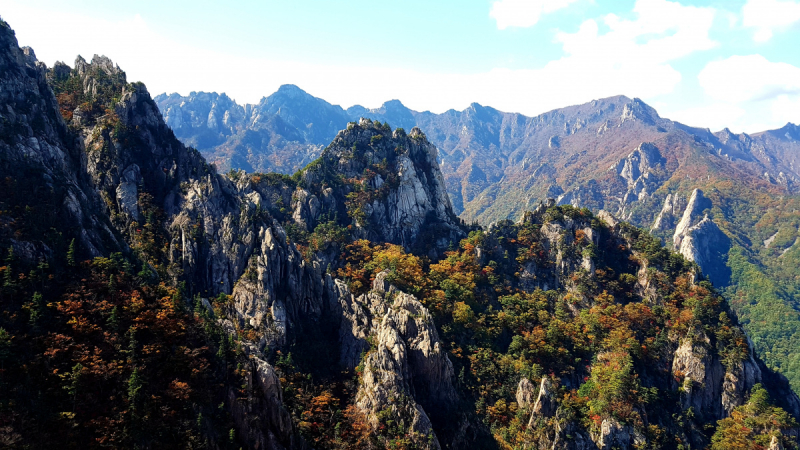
(106,361)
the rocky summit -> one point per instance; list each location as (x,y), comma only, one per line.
(149,301)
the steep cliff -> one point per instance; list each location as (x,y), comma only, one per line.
(406,371)
(40,157)
(701,240)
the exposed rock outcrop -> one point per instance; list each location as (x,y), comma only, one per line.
(738,382)
(545,405)
(708,387)
(616,435)
(407,370)
(260,419)
(407,203)
(667,217)
(700,239)
(525,393)
(702,376)
(638,172)
(35,141)
(691,216)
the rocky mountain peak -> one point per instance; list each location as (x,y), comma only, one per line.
(416,133)
(636,109)
(393,179)
(396,113)
(393,105)
(292,91)
(476,111)
(99,62)
(29,53)
(392,111)
(791,131)
(317,120)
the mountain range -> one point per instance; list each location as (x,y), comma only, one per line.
(726,201)
(149,301)
(479,146)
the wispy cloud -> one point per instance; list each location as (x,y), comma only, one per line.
(766,17)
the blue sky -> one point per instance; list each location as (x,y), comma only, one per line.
(706,63)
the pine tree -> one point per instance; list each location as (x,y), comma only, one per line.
(71,254)
(133,344)
(135,385)
(113,319)
(36,310)
(73,379)
(8,277)
(145,273)
(199,308)
(222,350)
(5,347)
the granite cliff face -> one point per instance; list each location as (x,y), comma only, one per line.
(408,371)
(36,142)
(701,240)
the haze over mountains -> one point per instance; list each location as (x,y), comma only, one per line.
(727,201)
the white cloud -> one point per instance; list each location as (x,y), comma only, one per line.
(751,78)
(746,93)
(785,106)
(524,13)
(716,115)
(662,32)
(768,16)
